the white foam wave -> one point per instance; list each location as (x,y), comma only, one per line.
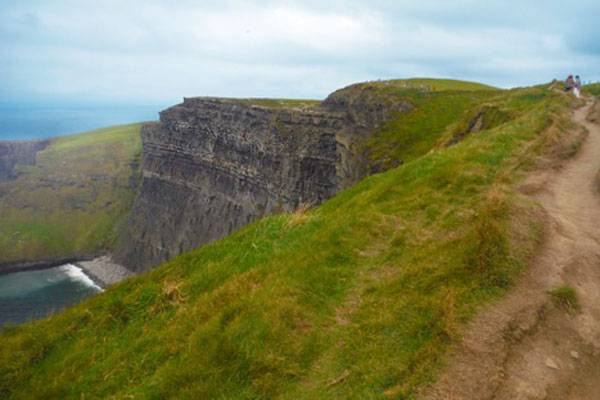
(76,274)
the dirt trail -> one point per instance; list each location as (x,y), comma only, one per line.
(523,347)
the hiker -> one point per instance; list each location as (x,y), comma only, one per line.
(577,87)
(569,83)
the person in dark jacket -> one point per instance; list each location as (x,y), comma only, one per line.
(569,83)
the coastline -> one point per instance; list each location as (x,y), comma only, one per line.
(19,266)
(99,268)
(103,271)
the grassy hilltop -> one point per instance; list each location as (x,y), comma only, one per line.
(411,135)
(71,201)
(358,298)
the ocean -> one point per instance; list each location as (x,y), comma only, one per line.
(30,295)
(25,122)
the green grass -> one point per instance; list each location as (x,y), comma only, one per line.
(358,298)
(70,203)
(434,84)
(409,135)
(593,89)
(281,103)
(412,134)
(565,297)
(435,105)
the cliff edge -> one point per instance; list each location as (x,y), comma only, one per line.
(212,165)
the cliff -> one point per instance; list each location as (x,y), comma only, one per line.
(14,153)
(65,198)
(211,166)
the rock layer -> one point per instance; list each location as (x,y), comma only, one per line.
(211,165)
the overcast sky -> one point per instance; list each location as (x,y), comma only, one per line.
(154,51)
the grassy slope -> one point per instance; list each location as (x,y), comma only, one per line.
(412,134)
(593,89)
(69,202)
(358,298)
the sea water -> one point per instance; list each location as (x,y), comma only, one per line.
(25,122)
(30,295)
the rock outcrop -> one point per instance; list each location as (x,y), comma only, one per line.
(212,165)
(103,271)
(18,153)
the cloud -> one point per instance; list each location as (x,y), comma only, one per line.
(150,51)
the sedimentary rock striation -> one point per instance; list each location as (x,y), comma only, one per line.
(212,165)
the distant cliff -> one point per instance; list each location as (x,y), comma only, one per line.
(65,198)
(13,153)
(212,165)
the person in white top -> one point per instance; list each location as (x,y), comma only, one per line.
(577,87)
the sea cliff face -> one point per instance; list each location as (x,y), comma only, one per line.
(211,166)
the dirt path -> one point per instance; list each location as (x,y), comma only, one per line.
(524,347)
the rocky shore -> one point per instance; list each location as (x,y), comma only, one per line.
(104,271)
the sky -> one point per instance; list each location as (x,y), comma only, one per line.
(158,51)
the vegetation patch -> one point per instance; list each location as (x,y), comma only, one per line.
(433,85)
(300,216)
(592,89)
(594,114)
(411,134)
(562,141)
(565,297)
(482,118)
(442,118)
(282,103)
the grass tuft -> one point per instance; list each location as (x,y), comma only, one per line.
(300,216)
(565,297)
(172,293)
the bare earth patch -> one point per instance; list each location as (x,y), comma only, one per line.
(524,346)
